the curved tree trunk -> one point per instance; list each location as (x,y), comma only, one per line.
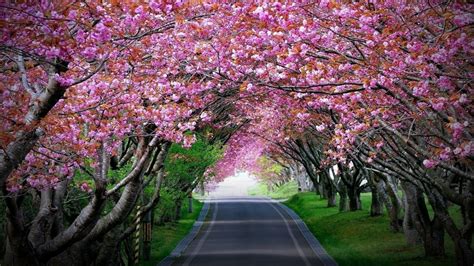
(431,231)
(462,238)
(393,205)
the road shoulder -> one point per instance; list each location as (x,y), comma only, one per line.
(184,243)
(317,248)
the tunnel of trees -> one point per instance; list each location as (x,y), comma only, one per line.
(110,108)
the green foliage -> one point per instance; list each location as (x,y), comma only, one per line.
(167,236)
(270,173)
(355,238)
(166,209)
(185,167)
(284,191)
(191,163)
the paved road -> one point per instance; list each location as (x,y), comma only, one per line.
(248,231)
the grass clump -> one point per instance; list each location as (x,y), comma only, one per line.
(355,238)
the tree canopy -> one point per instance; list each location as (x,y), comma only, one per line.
(384,86)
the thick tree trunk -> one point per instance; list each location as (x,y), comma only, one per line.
(304,183)
(412,235)
(109,253)
(464,254)
(431,231)
(354,199)
(332,201)
(343,200)
(322,190)
(18,252)
(393,205)
(433,240)
(330,189)
(376,207)
(462,238)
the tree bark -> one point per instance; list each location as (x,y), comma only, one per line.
(330,189)
(412,236)
(462,239)
(376,187)
(343,200)
(109,252)
(431,231)
(354,199)
(394,205)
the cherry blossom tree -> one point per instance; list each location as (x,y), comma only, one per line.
(382,89)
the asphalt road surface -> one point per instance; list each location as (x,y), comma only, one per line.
(248,231)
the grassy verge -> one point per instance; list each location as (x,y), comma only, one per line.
(355,238)
(284,191)
(166,237)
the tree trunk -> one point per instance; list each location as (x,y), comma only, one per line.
(17,252)
(462,238)
(332,202)
(431,231)
(394,205)
(330,189)
(434,239)
(412,235)
(343,200)
(376,207)
(354,199)
(464,254)
(322,190)
(109,253)
(177,213)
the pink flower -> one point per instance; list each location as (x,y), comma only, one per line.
(175,97)
(89,53)
(429,163)
(85,187)
(379,144)
(445,83)
(457,151)
(458,129)
(463,19)
(439,106)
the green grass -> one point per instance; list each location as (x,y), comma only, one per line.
(284,191)
(166,237)
(355,238)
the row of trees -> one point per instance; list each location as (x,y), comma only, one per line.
(370,97)
(349,91)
